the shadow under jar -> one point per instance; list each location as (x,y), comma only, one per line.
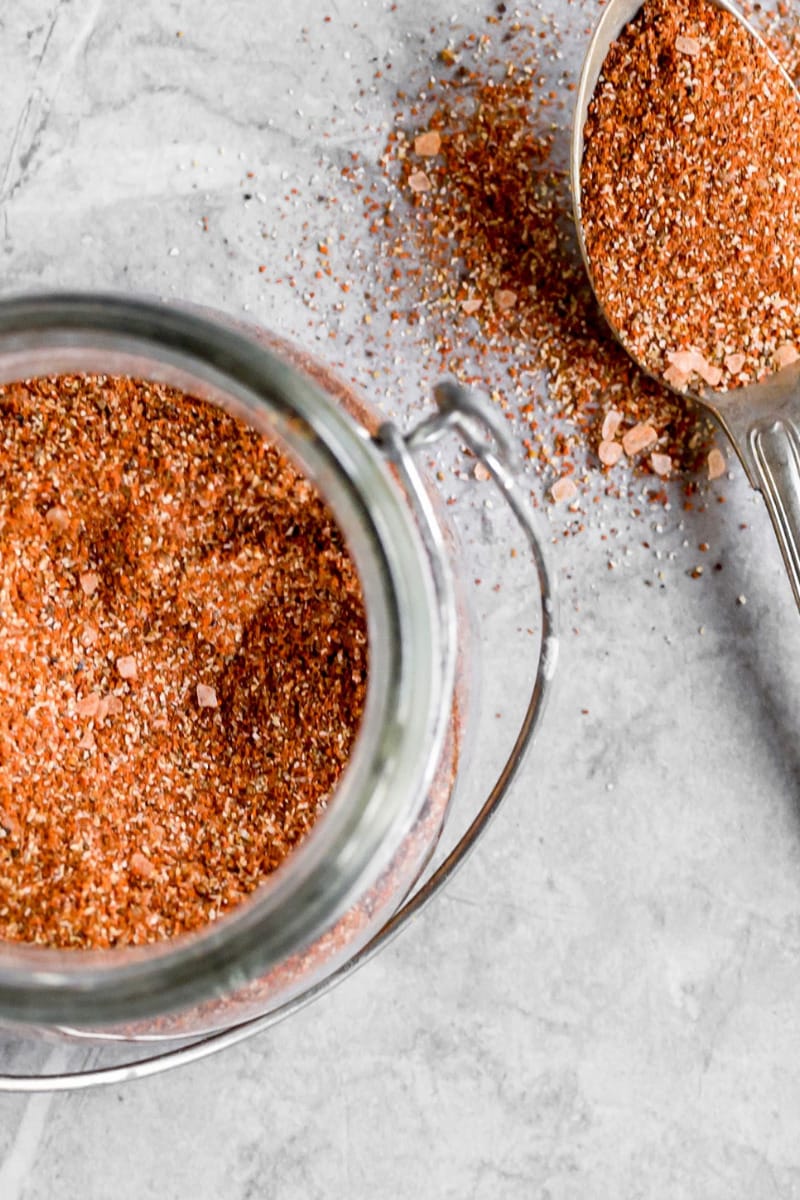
(336,894)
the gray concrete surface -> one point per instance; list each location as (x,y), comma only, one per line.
(606,1001)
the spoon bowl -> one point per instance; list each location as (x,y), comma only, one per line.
(761,420)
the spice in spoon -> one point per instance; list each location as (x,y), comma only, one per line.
(691,197)
(183,661)
(476,262)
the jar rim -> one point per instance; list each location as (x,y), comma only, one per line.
(373,805)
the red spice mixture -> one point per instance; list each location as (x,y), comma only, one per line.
(485,267)
(454,283)
(183,661)
(472,223)
(691,197)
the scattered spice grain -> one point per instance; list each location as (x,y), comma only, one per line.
(137,803)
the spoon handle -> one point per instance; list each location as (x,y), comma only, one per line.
(774,451)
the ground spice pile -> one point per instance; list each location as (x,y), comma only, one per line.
(182,661)
(472,221)
(487,270)
(691,197)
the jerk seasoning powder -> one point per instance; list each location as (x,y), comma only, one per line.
(477,255)
(691,197)
(183,660)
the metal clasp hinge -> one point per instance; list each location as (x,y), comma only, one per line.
(471,415)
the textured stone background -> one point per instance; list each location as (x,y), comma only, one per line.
(606,1002)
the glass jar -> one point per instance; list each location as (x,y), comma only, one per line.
(344,891)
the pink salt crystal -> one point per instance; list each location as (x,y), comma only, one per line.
(88,636)
(735,363)
(427,144)
(716,464)
(57,516)
(88,705)
(10,823)
(127,666)
(785,355)
(87,742)
(676,379)
(640,438)
(471,306)
(504,298)
(115,705)
(692,361)
(206,696)
(688,45)
(418,182)
(661,464)
(708,372)
(609,453)
(563,489)
(102,710)
(481,472)
(611,424)
(90,582)
(684,361)
(141,865)
(155,833)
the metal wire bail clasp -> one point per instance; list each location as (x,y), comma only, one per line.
(471,414)
(468,414)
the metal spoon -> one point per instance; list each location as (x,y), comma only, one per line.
(761,420)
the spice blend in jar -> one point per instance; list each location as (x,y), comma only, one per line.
(691,197)
(183,660)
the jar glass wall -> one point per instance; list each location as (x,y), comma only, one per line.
(364,853)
